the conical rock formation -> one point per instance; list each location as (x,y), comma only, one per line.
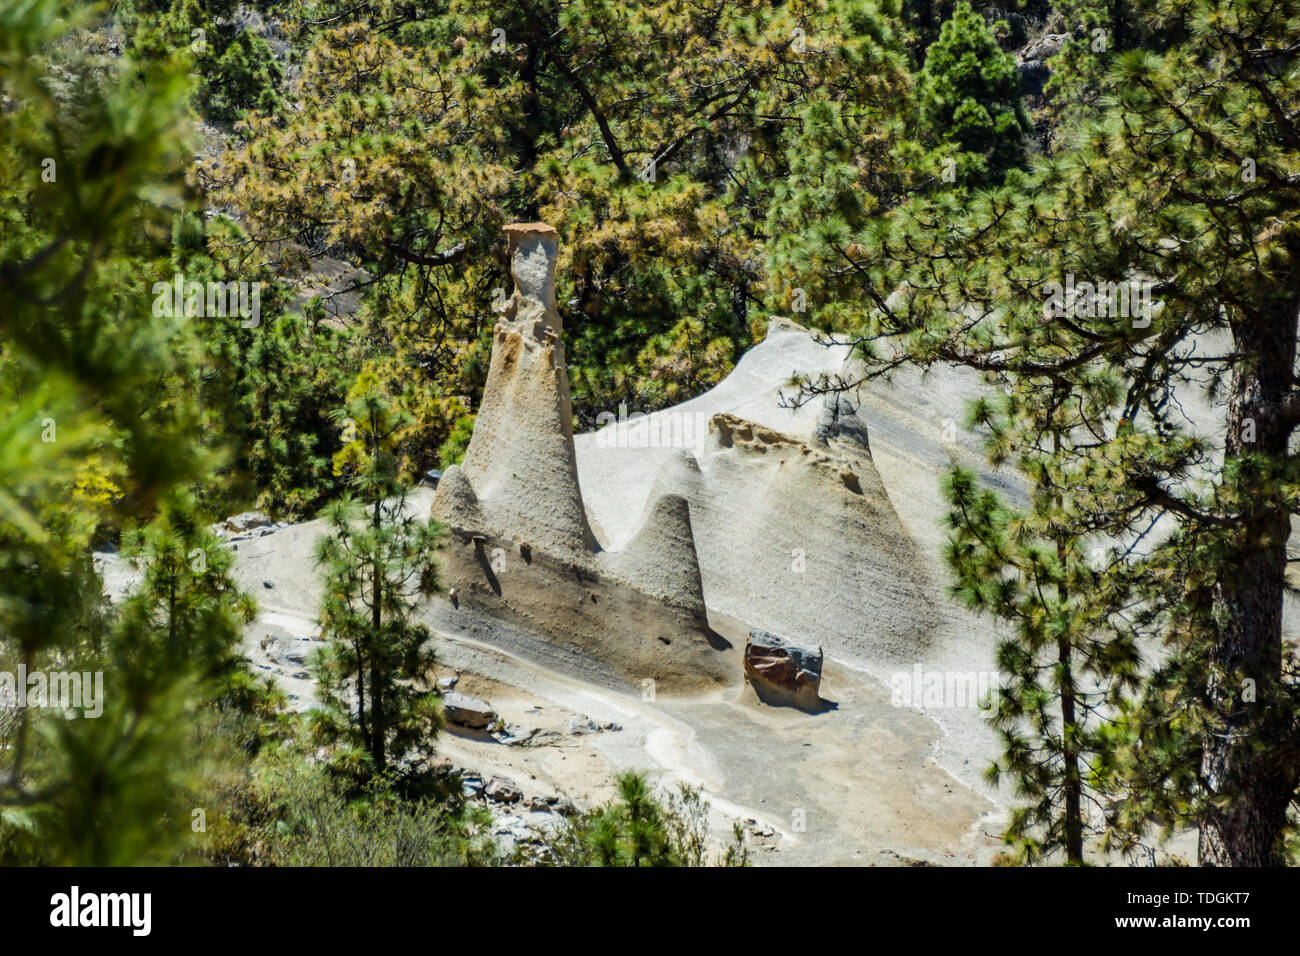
(521,461)
(522,549)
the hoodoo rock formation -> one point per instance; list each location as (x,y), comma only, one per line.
(794,529)
(521,547)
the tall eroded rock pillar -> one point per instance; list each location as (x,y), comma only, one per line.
(520,548)
(520,462)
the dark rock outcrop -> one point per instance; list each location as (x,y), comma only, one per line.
(783,671)
(466,711)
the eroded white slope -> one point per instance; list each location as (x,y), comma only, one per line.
(784,545)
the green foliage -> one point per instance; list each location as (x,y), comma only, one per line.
(708,165)
(417,139)
(925,18)
(1100,30)
(378,560)
(97,416)
(452,451)
(1175,191)
(637,829)
(970,99)
(186,615)
(850,158)
(236,68)
(1064,669)
(295,813)
(268,387)
(116,788)
(245,77)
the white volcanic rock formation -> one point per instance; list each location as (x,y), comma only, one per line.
(522,550)
(794,535)
(786,542)
(520,462)
(793,526)
(615,546)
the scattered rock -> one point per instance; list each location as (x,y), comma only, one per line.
(471,785)
(762,836)
(517,735)
(585,725)
(782,670)
(1045,47)
(467,711)
(447,683)
(246,521)
(513,829)
(503,790)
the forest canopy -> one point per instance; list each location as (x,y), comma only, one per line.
(229,232)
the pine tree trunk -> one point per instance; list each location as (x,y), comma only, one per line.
(1072,796)
(361,691)
(1247,830)
(1236,765)
(377,727)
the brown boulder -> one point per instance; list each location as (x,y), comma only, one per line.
(782,671)
(467,711)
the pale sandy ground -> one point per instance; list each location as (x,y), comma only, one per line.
(855,784)
(863,782)
(852,785)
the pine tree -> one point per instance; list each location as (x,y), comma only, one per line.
(649,134)
(236,69)
(970,99)
(245,77)
(100,431)
(186,615)
(1170,219)
(378,560)
(267,387)
(639,829)
(1066,670)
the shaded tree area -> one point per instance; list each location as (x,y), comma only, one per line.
(860,165)
(651,135)
(1170,209)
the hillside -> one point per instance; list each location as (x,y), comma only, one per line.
(670,433)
